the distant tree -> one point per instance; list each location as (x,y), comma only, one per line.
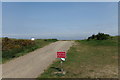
(99,36)
(6,39)
(93,36)
(89,38)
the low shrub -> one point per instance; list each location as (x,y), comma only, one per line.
(12,46)
(99,36)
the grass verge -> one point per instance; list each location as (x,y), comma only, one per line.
(88,59)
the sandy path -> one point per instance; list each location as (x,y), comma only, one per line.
(33,64)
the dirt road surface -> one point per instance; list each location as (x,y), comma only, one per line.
(34,63)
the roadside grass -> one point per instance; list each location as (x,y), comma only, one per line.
(88,59)
(16,52)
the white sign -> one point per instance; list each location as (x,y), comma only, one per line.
(63,59)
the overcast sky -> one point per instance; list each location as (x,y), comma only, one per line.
(62,20)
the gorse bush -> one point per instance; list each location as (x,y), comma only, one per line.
(8,44)
(12,46)
(99,36)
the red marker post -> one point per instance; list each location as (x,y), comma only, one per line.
(62,56)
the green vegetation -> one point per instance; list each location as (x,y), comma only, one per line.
(113,41)
(12,48)
(99,36)
(88,59)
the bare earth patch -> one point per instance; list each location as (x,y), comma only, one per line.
(106,72)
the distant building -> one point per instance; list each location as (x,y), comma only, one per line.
(32,39)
